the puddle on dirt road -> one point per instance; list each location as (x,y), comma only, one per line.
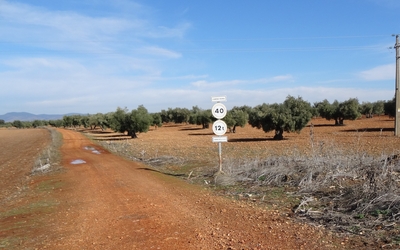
(94,151)
(78,161)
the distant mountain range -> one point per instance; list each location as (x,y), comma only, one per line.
(24,116)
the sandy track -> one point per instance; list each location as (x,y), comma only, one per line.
(113,203)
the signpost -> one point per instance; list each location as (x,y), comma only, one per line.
(219,127)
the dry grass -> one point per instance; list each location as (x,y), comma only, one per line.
(48,160)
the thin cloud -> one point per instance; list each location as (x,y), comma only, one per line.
(159,77)
(154,98)
(157,51)
(35,63)
(67,25)
(63,30)
(207,84)
(167,32)
(387,3)
(383,72)
(280,78)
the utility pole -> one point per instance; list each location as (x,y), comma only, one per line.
(397,94)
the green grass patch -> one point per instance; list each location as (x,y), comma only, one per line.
(9,242)
(36,207)
(50,185)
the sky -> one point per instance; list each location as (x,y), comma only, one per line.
(92,56)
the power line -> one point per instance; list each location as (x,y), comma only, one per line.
(284,49)
(289,38)
(233,50)
(194,40)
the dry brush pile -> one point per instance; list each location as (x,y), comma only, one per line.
(347,190)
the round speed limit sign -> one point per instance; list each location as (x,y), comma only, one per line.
(219,110)
(219,127)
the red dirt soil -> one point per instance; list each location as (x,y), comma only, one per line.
(111,203)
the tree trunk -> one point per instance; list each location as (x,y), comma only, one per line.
(278,134)
(234,129)
(336,121)
(339,121)
(132,134)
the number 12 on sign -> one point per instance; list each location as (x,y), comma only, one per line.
(219,127)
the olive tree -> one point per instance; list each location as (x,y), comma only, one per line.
(236,117)
(290,116)
(390,107)
(84,120)
(98,120)
(67,121)
(181,115)
(37,123)
(72,120)
(136,121)
(378,108)
(201,117)
(176,115)
(367,109)
(347,110)
(17,124)
(157,120)
(56,123)
(76,121)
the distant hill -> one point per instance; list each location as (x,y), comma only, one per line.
(24,116)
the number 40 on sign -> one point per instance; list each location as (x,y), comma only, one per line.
(219,110)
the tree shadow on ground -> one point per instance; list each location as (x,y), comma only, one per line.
(96,132)
(324,125)
(369,130)
(173,125)
(112,138)
(201,134)
(185,129)
(154,170)
(254,139)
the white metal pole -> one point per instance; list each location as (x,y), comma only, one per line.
(397,93)
(220,156)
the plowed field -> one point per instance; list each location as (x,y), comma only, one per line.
(102,201)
